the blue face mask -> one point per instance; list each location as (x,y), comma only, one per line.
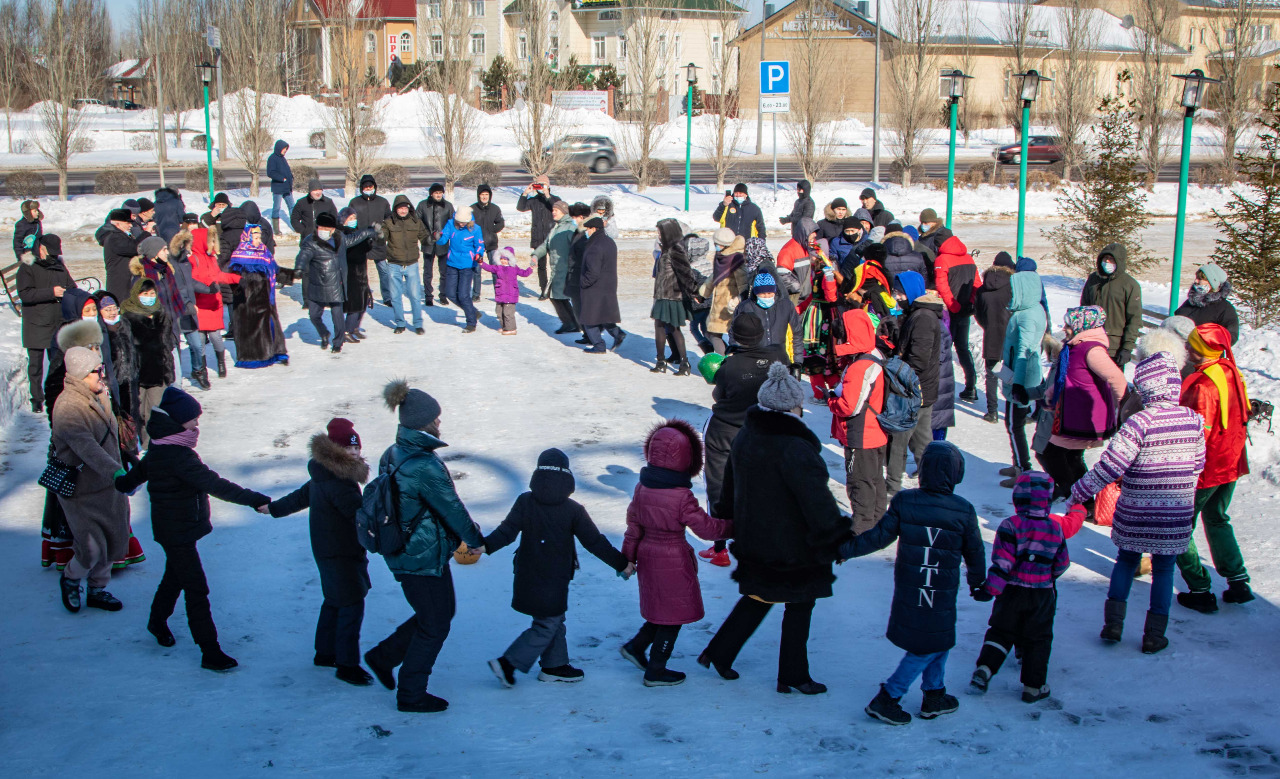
(766,303)
(739,200)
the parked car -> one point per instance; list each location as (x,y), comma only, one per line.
(595,151)
(1040,148)
(125,105)
(86,102)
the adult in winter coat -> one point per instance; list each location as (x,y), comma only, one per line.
(804,207)
(435,213)
(1111,288)
(303,217)
(118,345)
(786,530)
(153,263)
(405,234)
(553,253)
(919,343)
(154,343)
(86,438)
(322,265)
(1208,300)
(674,287)
(900,255)
(880,216)
(796,258)
(855,404)
(371,208)
(118,250)
(200,246)
(547,521)
(81,326)
(536,200)
(332,494)
(933,233)
(435,523)
(170,212)
(1020,353)
(599,281)
(780,320)
(259,336)
(1157,456)
(725,287)
(466,250)
(281,176)
(991,309)
(956,278)
(28,229)
(833,216)
(42,281)
(1217,393)
(188,322)
(662,508)
(602,206)
(1024,265)
(740,214)
(488,217)
(573,273)
(944,408)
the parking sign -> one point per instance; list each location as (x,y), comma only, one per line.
(775,77)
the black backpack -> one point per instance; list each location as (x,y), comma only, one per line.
(378,518)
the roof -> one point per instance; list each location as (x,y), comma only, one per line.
(514,7)
(129,69)
(369,9)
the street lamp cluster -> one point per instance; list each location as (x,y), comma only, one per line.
(206,76)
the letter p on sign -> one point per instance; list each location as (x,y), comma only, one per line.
(775,77)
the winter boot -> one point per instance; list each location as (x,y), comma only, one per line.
(324,661)
(937,702)
(214,659)
(887,709)
(659,367)
(617,342)
(354,675)
(1034,694)
(1237,592)
(201,378)
(725,672)
(1012,470)
(164,636)
(1113,620)
(969,395)
(37,407)
(657,674)
(683,369)
(99,598)
(991,417)
(1203,602)
(561,673)
(222,365)
(804,688)
(1153,639)
(324,342)
(634,655)
(71,594)
(1013,478)
(980,681)
(504,670)
(430,704)
(384,673)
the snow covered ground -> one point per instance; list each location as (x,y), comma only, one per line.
(93,693)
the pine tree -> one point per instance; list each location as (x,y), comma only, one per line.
(1249,250)
(1109,204)
(500,74)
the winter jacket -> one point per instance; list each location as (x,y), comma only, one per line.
(786,524)
(935,530)
(796,257)
(430,511)
(370,211)
(610,224)
(278,170)
(598,281)
(435,215)
(154,341)
(782,326)
(944,408)
(333,496)
(673,277)
(84,435)
(466,245)
(919,342)
(903,257)
(118,250)
(184,280)
(725,294)
(1024,265)
(1157,456)
(488,218)
(804,207)
(829,226)
(538,206)
(746,219)
(956,278)
(179,485)
(991,309)
(76,332)
(322,265)
(41,311)
(860,395)
(305,211)
(1030,549)
(880,216)
(1225,456)
(28,230)
(207,276)
(506,281)
(1091,393)
(404,236)
(1215,307)
(1020,350)
(556,247)
(169,212)
(738,380)
(933,240)
(1121,298)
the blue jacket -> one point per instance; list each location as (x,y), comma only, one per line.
(1025,264)
(935,530)
(1021,354)
(466,244)
(279,172)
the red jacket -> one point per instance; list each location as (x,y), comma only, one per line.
(956,277)
(205,270)
(861,392)
(1225,459)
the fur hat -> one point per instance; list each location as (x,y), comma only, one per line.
(1157,340)
(780,391)
(417,409)
(342,432)
(436,187)
(85,332)
(150,247)
(875,252)
(507,253)
(325,219)
(120,215)
(674,444)
(81,361)
(723,237)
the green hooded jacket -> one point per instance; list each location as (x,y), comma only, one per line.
(1120,297)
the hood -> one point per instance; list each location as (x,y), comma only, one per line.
(669,233)
(1157,379)
(860,334)
(863,215)
(953,245)
(367,180)
(1121,254)
(402,200)
(73,301)
(337,460)
(600,200)
(897,245)
(279,147)
(165,194)
(996,277)
(482,189)
(1027,289)
(674,444)
(552,481)
(942,467)
(912,285)
(80,333)
(1032,493)
(1025,264)
(802,229)
(804,186)
(252,214)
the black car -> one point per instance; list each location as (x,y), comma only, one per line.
(1040,148)
(595,151)
(125,105)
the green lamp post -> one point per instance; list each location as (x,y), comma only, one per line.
(206,76)
(1030,90)
(957,79)
(1193,85)
(691,75)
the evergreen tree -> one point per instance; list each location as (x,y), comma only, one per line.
(1109,204)
(1249,249)
(500,74)
(608,76)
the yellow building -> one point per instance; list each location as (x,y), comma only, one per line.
(382,29)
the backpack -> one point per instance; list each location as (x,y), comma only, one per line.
(901,397)
(378,518)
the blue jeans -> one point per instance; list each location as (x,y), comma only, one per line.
(698,326)
(404,280)
(384,280)
(196,341)
(275,204)
(457,287)
(1162,566)
(933,667)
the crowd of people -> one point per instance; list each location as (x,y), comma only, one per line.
(872,311)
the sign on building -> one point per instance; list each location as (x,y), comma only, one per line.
(591,100)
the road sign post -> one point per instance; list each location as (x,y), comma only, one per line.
(775,98)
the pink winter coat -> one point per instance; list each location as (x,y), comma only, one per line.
(655,542)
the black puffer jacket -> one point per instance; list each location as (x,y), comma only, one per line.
(369,212)
(169,212)
(305,211)
(538,206)
(1212,307)
(488,218)
(991,309)
(434,215)
(918,343)
(902,256)
(935,530)
(804,207)
(118,250)
(322,265)
(738,381)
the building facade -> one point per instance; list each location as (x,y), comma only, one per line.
(376,31)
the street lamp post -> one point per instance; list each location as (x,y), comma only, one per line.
(1193,85)
(1030,89)
(691,75)
(957,79)
(206,76)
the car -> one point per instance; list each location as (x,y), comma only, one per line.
(86,102)
(597,152)
(1040,148)
(125,105)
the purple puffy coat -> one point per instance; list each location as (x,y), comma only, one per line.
(506,281)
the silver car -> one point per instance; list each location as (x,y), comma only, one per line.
(595,151)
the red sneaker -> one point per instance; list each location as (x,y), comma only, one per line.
(708,553)
(721,559)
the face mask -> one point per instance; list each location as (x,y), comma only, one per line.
(88,317)
(324,234)
(739,199)
(352,223)
(1201,286)
(112,320)
(147,300)
(368,192)
(766,303)
(1108,267)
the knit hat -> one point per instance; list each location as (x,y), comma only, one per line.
(911,232)
(463,214)
(543,180)
(314,184)
(839,203)
(892,227)
(764,282)
(190,218)
(928,215)
(52,243)
(222,198)
(781,391)
(131,206)
(508,253)
(739,187)
(674,444)
(342,432)
(1181,325)
(1032,493)
(1003,260)
(325,219)
(150,247)
(145,205)
(105,299)
(851,222)
(561,206)
(178,405)
(867,192)
(417,409)
(553,476)
(722,237)
(81,361)
(436,187)
(595,223)
(747,331)
(1083,318)
(120,215)
(1213,274)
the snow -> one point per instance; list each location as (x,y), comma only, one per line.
(93,692)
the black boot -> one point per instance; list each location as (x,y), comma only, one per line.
(385,673)
(1153,639)
(725,672)
(70,594)
(980,681)
(937,702)
(683,369)
(201,378)
(634,655)
(324,342)
(1203,602)
(222,365)
(1237,592)
(99,598)
(659,367)
(164,636)
(969,394)
(214,659)
(37,407)
(657,674)
(1113,620)
(887,709)
(354,675)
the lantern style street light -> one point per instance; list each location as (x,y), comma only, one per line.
(691,75)
(956,89)
(206,76)
(1193,87)
(1029,92)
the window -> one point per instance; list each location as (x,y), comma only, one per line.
(437,46)
(370,43)
(477,44)
(433,9)
(1202,35)
(522,48)
(622,48)
(670,16)
(609,16)
(477,7)
(715,49)
(1231,35)
(662,47)
(715,85)
(677,47)
(1010,87)
(554,53)
(555,17)
(406,43)
(597,48)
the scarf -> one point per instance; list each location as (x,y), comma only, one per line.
(1198,299)
(186,438)
(248,258)
(133,304)
(724,266)
(756,252)
(166,284)
(1212,342)
(656,478)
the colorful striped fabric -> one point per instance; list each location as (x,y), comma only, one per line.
(1030,550)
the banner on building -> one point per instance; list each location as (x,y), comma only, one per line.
(592,100)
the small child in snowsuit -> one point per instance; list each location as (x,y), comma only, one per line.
(935,530)
(1029,555)
(506,287)
(547,521)
(661,508)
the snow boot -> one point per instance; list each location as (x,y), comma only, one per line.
(99,598)
(469,329)
(597,349)
(430,704)
(37,407)
(324,342)
(659,367)
(1153,639)
(937,702)
(622,336)
(324,661)
(1034,694)
(222,365)
(201,378)
(721,559)
(663,677)
(1012,470)
(1237,592)
(991,417)
(70,594)
(657,674)
(725,672)
(634,655)
(969,395)
(1203,602)
(887,709)
(980,681)
(1113,620)
(561,673)
(164,636)
(354,675)
(214,659)
(683,369)
(504,670)
(384,673)
(804,688)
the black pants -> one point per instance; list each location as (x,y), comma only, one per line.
(1015,421)
(1066,466)
(184,574)
(1021,617)
(592,333)
(993,386)
(542,275)
(960,341)
(564,310)
(664,335)
(417,642)
(663,640)
(35,374)
(430,264)
(865,485)
(338,632)
(793,650)
(719,440)
(316,312)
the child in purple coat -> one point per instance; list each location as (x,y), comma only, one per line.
(506,287)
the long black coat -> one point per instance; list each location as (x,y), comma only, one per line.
(918,343)
(169,212)
(118,250)
(153,341)
(24,228)
(573,276)
(992,309)
(333,496)
(488,218)
(935,530)
(41,311)
(180,484)
(305,211)
(600,281)
(786,525)
(538,207)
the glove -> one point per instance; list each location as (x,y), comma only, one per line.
(1122,358)
(980,593)
(1020,395)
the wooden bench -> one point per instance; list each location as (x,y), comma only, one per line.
(9,275)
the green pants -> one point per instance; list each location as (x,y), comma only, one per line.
(1211,505)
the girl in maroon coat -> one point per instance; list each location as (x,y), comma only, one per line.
(661,508)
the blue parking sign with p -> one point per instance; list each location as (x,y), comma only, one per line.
(775,77)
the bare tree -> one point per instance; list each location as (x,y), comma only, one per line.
(253,45)
(650,62)
(539,124)
(71,44)
(967,24)
(1156,22)
(352,114)
(1075,93)
(913,79)
(1234,44)
(720,137)
(1016,20)
(166,31)
(450,125)
(808,128)
(13,60)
